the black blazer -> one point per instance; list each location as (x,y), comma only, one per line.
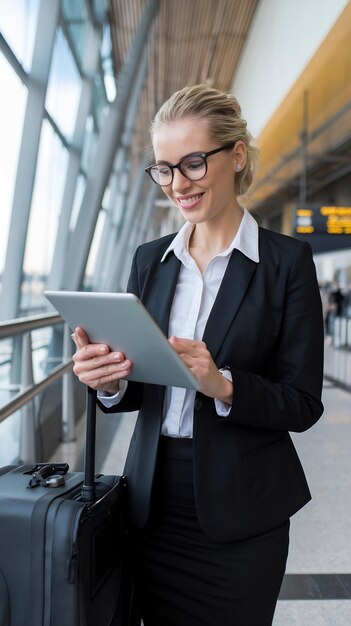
(266,326)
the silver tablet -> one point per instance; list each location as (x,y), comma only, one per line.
(121,321)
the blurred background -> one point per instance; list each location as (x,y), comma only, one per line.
(80,81)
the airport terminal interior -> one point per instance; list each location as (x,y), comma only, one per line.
(80,81)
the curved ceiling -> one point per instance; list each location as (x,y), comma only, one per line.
(191,41)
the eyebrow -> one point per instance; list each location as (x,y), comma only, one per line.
(195,153)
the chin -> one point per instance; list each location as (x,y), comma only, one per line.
(194,219)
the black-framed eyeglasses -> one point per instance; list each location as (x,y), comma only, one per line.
(193,167)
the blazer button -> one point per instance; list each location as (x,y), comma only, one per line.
(198,404)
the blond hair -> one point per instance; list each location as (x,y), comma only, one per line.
(226,125)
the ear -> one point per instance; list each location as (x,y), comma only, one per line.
(239,156)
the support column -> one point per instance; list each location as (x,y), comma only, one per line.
(304,151)
(147,213)
(120,261)
(142,222)
(287,218)
(62,238)
(110,231)
(37,85)
(109,139)
(116,224)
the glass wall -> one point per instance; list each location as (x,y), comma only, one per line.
(52,127)
(44,216)
(77,23)
(58,184)
(64,87)
(12,107)
(18,20)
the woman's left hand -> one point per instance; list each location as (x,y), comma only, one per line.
(198,359)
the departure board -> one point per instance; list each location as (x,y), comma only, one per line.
(323,220)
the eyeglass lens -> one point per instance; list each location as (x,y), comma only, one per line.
(193,167)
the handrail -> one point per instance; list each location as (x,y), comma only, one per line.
(24,396)
(26,324)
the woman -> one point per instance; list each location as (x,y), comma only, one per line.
(213,475)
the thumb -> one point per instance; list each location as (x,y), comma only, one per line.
(80,337)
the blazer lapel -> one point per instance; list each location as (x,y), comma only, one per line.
(232,290)
(164,282)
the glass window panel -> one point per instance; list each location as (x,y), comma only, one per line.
(42,361)
(95,244)
(12,108)
(107,63)
(89,144)
(44,215)
(79,34)
(10,439)
(77,202)
(74,10)
(5,370)
(18,20)
(64,87)
(99,100)
(10,427)
(77,21)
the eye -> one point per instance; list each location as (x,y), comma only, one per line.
(161,170)
(193,163)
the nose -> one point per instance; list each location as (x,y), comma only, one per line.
(180,182)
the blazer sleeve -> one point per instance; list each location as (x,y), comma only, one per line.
(290,399)
(132,398)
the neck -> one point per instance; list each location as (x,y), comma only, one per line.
(214,237)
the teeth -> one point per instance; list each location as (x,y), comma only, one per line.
(186,201)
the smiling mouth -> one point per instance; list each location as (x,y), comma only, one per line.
(189,200)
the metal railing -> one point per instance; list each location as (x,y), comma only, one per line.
(337,351)
(23,327)
(342,332)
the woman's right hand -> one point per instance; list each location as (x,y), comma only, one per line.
(96,365)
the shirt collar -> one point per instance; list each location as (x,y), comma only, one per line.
(245,240)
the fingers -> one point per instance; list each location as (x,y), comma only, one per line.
(197,358)
(192,352)
(90,358)
(187,346)
(100,371)
(95,365)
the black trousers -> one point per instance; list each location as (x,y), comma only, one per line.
(183,578)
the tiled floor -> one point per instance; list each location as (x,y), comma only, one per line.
(321,532)
(313,613)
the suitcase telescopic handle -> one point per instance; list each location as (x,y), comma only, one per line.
(88,489)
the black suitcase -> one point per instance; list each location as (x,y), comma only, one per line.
(62,544)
